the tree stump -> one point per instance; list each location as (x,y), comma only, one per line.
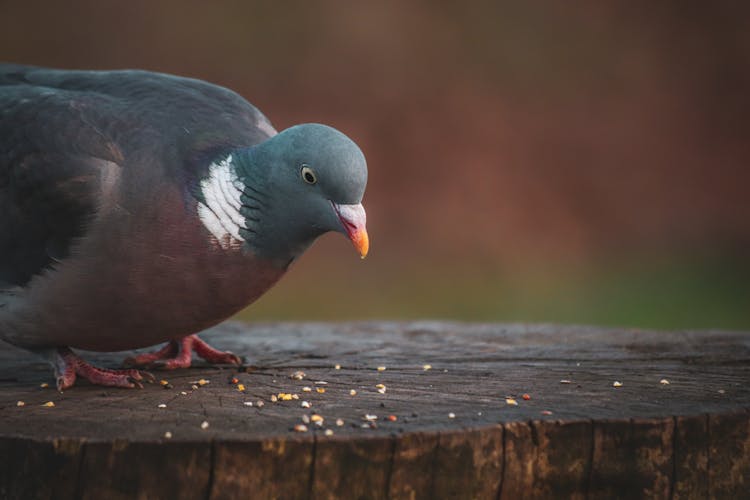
(441,410)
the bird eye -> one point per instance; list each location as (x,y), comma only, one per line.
(308,175)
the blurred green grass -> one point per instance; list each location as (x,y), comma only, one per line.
(663,293)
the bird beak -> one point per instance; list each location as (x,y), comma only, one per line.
(353,220)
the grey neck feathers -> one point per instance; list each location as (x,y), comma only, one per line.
(237,208)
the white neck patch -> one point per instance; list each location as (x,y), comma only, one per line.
(220,213)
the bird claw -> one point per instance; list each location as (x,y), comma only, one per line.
(178,354)
(69,366)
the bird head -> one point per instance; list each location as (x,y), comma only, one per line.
(299,184)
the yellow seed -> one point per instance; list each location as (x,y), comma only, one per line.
(20,403)
(511,401)
(320,390)
(44,385)
(616,384)
(328,432)
(337,367)
(352,392)
(240,387)
(203,382)
(381,368)
(426,367)
(49,404)
(316,418)
(163,382)
(306,389)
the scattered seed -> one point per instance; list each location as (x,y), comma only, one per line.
(337,367)
(352,392)
(194,387)
(167,435)
(163,382)
(664,381)
(381,368)
(260,403)
(241,387)
(391,418)
(339,422)
(320,382)
(183,393)
(451,415)
(616,384)
(20,403)
(511,401)
(300,428)
(44,385)
(204,425)
(298,375)
(161,405)
(295,396)
(722,391)
(307,389)
(234,380)
(248,403)
(274,398)
(329,432)
(305,404)
(566,381)
(380,388)
(369,417)
(306,419)
(201,382)
(320,390)
(426,367)
(49,404)
(546,412)
(317,419)
(526,397)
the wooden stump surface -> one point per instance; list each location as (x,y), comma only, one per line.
(450,431)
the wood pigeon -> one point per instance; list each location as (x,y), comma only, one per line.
(139,207)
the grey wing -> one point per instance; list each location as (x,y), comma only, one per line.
(52,166)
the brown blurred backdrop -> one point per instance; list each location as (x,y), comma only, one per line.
(528,161)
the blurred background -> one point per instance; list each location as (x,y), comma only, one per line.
(529,161)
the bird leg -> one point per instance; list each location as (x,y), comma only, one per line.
(68,365)
(178,354)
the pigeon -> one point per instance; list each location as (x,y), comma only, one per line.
(138,208)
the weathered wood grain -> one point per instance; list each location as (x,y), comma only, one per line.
(443,432)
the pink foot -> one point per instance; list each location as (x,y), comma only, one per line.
(178,354)
(68,365)
(166,352)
